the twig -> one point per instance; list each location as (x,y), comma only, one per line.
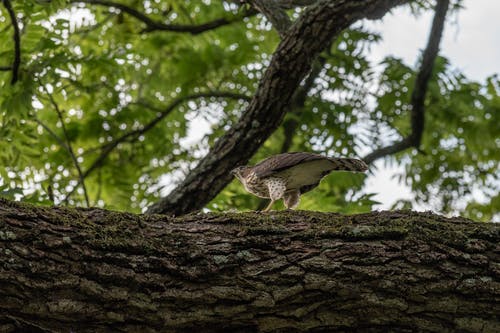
(420,89)
(69,147)
(99,185)
(17,42)
(152,25)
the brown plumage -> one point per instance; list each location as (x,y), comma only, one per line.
(289,175)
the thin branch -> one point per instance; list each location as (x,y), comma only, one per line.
(123,138)
(17,42)
(133,135)
(5,68)
(59,140)
(153,25)
(147,105)
(52,133)
(68,146)
(136,133)
(99,185)
(420,89)
(274,13)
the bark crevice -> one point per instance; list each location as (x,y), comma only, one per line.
(90,270)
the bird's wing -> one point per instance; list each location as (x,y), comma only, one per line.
(281,162)
(348,164)
(306,175)
(278,163)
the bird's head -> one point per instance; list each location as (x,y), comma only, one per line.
(240,172)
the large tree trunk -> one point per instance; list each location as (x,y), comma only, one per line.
(93,270)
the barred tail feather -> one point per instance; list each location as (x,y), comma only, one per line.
(349,164)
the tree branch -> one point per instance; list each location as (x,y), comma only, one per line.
(274,13)
(69,147)
(17,42)
(153,25)
(291,62)
(53,134)
(93,270)
(136,133)
(133,135)
(61,142)
(420,89)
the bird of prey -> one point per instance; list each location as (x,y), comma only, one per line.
(289,175)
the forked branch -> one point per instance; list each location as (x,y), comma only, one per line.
(420,89)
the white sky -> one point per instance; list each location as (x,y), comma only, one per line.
(471,39)
(471,42)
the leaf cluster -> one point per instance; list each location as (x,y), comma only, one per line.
(134,109)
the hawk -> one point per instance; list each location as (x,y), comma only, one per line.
(289,175)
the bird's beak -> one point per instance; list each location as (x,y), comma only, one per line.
(233,172)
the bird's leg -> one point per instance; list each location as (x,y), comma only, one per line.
(269,206)
(291,199)
(276,188)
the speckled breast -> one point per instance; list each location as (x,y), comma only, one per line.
(256,186)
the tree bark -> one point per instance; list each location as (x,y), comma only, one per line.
(290,64)
(274,13)
(91,270)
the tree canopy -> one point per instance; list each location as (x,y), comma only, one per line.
(115,103)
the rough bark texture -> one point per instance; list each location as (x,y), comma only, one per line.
(98,271)
(290,64)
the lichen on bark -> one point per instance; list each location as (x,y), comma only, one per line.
(92,270)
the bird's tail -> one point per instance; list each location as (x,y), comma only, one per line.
(348,164)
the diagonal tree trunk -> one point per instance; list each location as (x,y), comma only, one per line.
(290,64)
(91,270)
